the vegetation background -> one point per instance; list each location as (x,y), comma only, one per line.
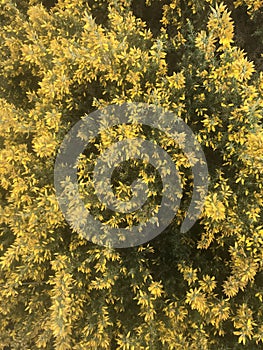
(201,59)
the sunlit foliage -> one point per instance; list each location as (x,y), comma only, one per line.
(198,290)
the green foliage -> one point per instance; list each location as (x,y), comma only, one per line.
(198,290)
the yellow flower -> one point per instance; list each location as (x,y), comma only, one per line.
(197,300)
(208,283)
(177,81)
(243,69)
(156,289)
(44,145)
(231,287)
(214,208)
(205,43)
(221,25)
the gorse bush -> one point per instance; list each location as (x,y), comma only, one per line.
(201,289)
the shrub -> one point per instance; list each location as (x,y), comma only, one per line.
(196,290)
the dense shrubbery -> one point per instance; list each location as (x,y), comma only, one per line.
(198,290)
